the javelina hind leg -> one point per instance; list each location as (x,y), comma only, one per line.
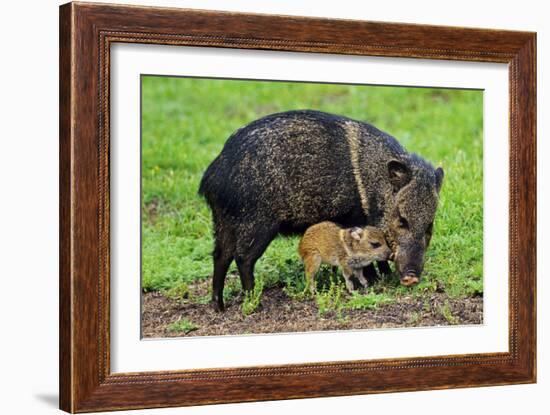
(246,272)
(223,256)
(222,260)
(250,247)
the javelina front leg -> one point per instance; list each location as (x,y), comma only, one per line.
(384,267)
(369,272)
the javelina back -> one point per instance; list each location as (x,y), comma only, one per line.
(287,171)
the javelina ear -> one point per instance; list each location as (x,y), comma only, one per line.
(356,233)
(439,174)
(399,174)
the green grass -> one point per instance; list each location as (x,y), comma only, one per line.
(185,123)
(182,326)
(335,298)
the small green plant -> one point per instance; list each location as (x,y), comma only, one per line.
(182,326)
(203,299)
(289,273)
(474,288)
(369,301)
(327,276)
(232,289)
(426,306)
(296,287)
(179,292)
(414,318)
(252,298)
(296,294)
(447,313)
(331,299)
(428,286)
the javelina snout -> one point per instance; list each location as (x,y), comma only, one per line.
(409,261)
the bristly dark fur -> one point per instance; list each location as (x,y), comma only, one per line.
(287,171)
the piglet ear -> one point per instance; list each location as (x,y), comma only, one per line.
(439,174)
(356,233)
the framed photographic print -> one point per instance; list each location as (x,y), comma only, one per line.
(260,207)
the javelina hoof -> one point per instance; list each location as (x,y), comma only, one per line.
(217,306)
(409,280)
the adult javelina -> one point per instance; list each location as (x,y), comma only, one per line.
(287,171)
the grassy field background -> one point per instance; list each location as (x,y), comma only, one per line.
(185,123)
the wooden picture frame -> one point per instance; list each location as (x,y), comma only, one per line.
(86,33)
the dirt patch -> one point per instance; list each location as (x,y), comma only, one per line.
(280,313)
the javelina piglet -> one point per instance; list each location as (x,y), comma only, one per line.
(351,249)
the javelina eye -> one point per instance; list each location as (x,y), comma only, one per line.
(375,244)
(402,223)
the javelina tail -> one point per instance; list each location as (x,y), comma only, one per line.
(205,186)
(209,187)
